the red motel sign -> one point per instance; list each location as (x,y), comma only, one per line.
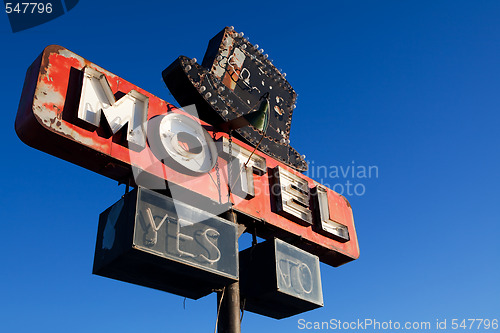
(78,111)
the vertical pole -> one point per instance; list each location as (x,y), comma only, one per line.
(229,313)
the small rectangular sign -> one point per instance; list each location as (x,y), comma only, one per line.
(151,240)
(279,280)
(298,273)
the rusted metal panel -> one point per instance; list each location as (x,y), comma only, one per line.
(47,120)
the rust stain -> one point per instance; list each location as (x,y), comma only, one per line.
(346,201)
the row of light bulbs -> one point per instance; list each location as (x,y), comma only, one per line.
(255,48)
(221,88)
(265,56)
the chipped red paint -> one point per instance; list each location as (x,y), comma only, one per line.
(46,121)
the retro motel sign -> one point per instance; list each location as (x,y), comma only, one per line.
(80,112)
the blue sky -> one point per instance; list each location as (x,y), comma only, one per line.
(411,87)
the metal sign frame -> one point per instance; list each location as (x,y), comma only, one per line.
(47,120)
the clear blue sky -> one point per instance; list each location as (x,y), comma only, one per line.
(411,87)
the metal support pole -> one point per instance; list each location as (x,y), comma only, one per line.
(229,313)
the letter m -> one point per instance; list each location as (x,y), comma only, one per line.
(97,99)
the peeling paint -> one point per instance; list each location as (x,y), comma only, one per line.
(51,119)
(46,95)
(68,54)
